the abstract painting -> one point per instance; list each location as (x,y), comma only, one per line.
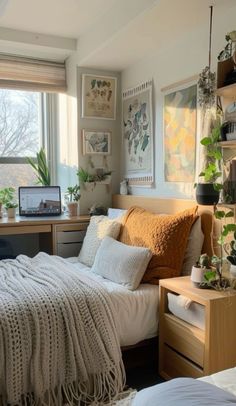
(99,97)
(180,126)
(138,134)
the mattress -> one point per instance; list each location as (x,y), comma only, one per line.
(193,313)
(136,311)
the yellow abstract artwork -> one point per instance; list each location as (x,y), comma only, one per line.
(180,123)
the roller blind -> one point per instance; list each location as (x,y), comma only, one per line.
(32,74)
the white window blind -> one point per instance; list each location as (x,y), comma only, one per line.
(32,74)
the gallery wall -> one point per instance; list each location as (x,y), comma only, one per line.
(177,62)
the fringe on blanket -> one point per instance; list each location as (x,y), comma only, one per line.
(102,389)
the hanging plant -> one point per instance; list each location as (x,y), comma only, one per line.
(207,88)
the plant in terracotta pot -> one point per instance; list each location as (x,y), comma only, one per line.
(208,190)
(73,196)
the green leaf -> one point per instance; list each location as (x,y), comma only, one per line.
(219,214)
(229,214)
(210,275)
(217,187)
(206,141)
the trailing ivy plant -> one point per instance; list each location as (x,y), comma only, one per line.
(212,170)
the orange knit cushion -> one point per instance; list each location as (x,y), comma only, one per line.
(165,235)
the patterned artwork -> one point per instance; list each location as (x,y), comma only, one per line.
(180,123)
(138,134)
(99,97)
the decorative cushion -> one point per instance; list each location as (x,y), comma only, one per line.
(166,236)
(121,263)
(115,213)
(194,247)
(99,227)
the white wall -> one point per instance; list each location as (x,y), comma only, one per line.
(101,194)
(179,60)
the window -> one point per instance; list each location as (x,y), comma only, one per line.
(21,135)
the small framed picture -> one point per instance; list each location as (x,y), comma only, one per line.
(96,142)
(99,97)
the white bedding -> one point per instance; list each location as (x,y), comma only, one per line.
(224,379)
(137,311)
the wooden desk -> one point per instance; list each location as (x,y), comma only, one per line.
(58,235)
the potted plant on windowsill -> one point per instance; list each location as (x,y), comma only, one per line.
(208,191)
(8,202)
(72,195)
(41,168)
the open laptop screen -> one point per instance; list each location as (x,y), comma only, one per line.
(39,201)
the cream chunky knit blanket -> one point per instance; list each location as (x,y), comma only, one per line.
(58,341)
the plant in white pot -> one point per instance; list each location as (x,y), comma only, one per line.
(8,200)
(72,197)
(199,270)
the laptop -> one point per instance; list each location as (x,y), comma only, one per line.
(39,201)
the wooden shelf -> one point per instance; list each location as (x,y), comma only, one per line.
(227,144)
(227,205)
(227,91)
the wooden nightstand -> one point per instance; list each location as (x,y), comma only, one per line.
(185,350)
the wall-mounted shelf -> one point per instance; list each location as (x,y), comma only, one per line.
(227,144)
(228,92)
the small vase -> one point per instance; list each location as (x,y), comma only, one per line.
(124,187)
(11,212)
(233,270)
(72,209)
(197,275)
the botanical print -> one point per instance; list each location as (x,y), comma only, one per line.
(180,123)
(98,97)
(96,142)
(137,132)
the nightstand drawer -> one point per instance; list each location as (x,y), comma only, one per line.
(174,365)
(184,338)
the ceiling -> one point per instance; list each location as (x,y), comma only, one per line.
(111,34)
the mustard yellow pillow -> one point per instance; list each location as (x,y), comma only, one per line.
(165,235)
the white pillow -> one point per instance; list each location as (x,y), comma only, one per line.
(194,247)
(121,263)
(99,227)
(115,213)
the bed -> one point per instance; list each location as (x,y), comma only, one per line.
(130,317)
(213,390)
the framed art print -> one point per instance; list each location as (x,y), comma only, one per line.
(99,97)
(96,142)
(138,135)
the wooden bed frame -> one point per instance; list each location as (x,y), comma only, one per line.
(210,226)
(146,351)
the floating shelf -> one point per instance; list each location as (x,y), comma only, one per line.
(227,144)
(227,91)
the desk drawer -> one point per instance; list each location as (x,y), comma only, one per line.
(68,250)
(184,338)
(174,365)
(70,236)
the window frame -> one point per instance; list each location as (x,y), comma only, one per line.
(48,129)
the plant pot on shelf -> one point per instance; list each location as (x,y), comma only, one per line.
(232,270)
(197,275)
(11,212)
(206,195)
(72,209)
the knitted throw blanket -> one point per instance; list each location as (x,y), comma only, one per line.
(58,341)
